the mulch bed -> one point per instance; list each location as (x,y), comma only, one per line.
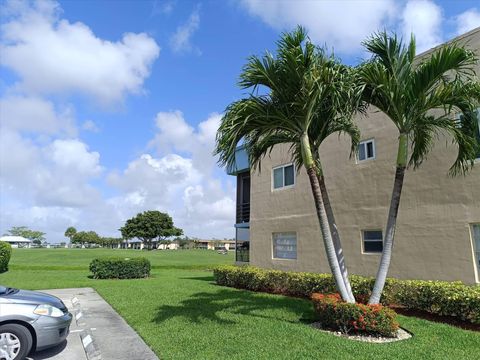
(402,334)
(450,320)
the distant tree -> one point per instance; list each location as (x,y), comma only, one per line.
(183,243)
(110,242)
(196,243)
(17,231)
(149,226)
(85,237)
(36,236)
(70,232)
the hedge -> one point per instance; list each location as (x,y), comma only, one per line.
(5,254)
(120,268)
(333,313)
(437,297)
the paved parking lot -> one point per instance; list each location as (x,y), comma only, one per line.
(97,331)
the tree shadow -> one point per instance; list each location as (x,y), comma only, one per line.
(220,305)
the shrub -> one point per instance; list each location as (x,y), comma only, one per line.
(120,268)
(335,314)
(5,254)
(441,297)
(436,297)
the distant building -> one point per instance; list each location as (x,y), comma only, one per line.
(214,244)
(17,241)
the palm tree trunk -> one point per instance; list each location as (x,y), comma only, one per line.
(322,219)
(391,222)
(335,236)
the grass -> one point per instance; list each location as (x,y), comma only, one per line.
(181,314)
(79,259)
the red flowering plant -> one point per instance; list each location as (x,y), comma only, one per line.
(332,313)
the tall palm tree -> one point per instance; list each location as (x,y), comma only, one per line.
(421,97)
(299,98)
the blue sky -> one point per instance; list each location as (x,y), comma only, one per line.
(109,108)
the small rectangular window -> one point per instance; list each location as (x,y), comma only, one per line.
(476,246)
(366,150)
(478,132)
(283,176)
(278,178)
(372,241)
(285,245)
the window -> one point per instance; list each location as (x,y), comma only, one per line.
(285,245)
(476,246)
(283,176)
(366,150)
(372,241)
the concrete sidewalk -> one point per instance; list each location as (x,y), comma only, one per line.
(97,331)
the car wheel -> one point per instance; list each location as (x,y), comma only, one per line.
(15,342)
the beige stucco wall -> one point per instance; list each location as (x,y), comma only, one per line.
(433,238)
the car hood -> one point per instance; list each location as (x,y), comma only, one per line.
(35,297)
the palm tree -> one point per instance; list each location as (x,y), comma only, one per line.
(420,96)
(308,96)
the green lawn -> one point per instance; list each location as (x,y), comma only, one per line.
(78,259)
(181,314)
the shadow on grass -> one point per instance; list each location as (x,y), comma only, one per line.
(223,306)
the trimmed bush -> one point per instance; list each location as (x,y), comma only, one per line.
(441,298)
(335,314)
(5,254)
(120,268)
(437,297)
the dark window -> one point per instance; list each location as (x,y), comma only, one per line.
(372,241)
(289,176)
(243,198)
(366,150)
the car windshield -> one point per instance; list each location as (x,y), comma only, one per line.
(6,290)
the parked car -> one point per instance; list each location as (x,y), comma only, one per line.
(30,320)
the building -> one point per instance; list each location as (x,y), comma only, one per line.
(17,241)
(438,228)
(214,244)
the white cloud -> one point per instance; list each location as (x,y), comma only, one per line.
(467,21)
(423,18)
(89,125)
(56,174)
(341,24)
(180,180)
(74,156)
(175,134)
(181,39)
(69,57)
(162,7)
(35,115)
(160,178)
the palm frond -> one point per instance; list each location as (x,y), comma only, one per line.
(449,60)
(309,92)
